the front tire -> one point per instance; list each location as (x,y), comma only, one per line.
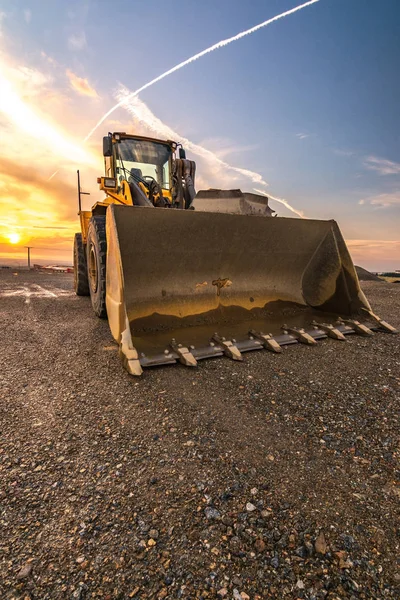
(81,284)
(96,254)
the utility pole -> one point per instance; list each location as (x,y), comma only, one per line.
(80,193)
(29,256)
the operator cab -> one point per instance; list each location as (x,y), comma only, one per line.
(150,169)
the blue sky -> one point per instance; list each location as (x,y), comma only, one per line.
(310,102)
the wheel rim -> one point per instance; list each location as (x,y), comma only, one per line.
(93,274)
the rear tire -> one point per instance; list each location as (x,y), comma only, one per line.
(81,284)
(96,254)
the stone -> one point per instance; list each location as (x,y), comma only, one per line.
(250,507)
(320,543)
(234,545)
(259,545)
(25,571)
(211,513)
(309,548)
(275,562)
(301,551)
(153,533)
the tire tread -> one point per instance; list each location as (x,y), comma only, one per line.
(81,282)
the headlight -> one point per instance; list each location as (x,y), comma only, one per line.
(110,182)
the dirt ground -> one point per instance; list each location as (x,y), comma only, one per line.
(272,478)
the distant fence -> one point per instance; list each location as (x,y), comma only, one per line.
(50,269)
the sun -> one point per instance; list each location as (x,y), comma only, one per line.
(14,238)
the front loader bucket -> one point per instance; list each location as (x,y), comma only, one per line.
(175,277)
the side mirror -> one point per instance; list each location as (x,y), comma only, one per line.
(182,153)
(107,146)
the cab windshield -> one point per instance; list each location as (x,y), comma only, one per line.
(144,161)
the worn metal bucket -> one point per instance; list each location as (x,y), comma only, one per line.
(182,270)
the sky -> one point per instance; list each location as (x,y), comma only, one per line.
(305,109)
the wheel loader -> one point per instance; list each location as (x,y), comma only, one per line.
(183,276)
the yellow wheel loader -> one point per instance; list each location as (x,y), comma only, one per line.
(183,276)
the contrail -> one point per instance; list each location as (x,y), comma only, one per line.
(299,213)
(141,111)
(216,46)
(54,174)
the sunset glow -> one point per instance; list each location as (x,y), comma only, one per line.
(296,139)
(14,238)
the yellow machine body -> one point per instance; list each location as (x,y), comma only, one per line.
(121,193)
(218,277)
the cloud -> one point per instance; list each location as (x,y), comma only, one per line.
(3,16)
(28,81)
(387,249)
(25,118)
(49,59)
(382,165)
(375,255)
(302,136)
(387,200)
(13,176)
(81,85)
(27,15)
(346,153)
(387,244)
(33,207)
(77,41)
(224,147)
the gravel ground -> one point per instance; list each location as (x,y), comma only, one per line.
(271,478)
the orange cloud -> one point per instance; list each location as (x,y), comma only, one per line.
(42,214)
(378,246)
(27,119)
(375,254)
(387,200)
(81,85)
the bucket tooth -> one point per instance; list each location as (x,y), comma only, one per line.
(357,326)
(382,324)
(184,355)
(330,330)
(267,340)
(228,347)
(300,334)
(128,354)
